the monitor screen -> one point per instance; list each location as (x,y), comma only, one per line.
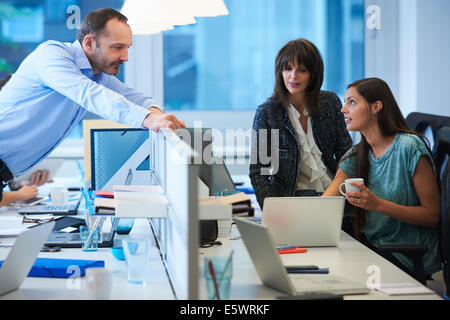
(119,157)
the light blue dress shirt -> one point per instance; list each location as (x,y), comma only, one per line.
(47,97)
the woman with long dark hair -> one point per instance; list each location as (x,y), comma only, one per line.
(306,123)
(399,200)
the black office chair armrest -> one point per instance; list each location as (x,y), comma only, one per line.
(415,253)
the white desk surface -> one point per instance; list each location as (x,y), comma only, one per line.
(157,287)
(350,259)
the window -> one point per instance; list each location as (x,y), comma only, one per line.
(24,24)
(227,62)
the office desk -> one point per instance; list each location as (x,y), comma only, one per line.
(158,286)
(350,260)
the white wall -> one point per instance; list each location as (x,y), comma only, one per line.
(411,53)
(433,56)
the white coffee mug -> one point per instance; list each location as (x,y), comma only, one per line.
(99,283)
(349,187)
(59,196)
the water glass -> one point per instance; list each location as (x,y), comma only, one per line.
(137,255)
(218,274)
(93,242)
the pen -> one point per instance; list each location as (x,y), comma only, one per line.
(83,192)
(227,265)
(305,271)
(302,267)
(91,232)
(213,275)
(294,250)
(286,247)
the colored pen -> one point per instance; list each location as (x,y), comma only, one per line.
(313,271)
(286,247)
(83,192)
(227,265)
(294,250)
(213,275)
(302,267)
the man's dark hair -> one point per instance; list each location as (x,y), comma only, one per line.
(96,21)
(5,80)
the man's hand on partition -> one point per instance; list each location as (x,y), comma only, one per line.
(157,119)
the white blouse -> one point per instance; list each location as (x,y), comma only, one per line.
(313,173)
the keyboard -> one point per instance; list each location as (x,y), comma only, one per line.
(308,284)
(76,237)
(39,209)
(56,208)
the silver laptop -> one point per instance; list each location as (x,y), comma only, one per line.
(63,239)
(304,221)
(63,210)
(21,257)
(272,272)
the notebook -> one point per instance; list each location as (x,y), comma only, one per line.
(272,272)
(22,256)
(304,221)
(62,239)
(62,268)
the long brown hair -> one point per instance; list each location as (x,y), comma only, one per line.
(306,54)
(390,121)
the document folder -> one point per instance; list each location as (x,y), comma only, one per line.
(62,268)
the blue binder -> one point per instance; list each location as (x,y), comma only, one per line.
(62,268)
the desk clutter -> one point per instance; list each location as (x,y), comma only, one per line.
(219,210)
(132,202)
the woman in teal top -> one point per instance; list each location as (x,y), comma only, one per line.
(399,200)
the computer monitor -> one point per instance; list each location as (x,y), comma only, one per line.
(119,156)
(212,170)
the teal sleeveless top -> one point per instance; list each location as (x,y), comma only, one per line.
(391,178)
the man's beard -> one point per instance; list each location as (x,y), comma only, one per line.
(111,68)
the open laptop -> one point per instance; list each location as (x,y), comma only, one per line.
(22,256)
(272,272)
(304,221)
(63,239)
(64,210)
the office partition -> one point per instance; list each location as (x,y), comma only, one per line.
(178,234)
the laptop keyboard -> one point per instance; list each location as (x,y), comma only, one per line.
(76,237)
(308,284)
(56,208)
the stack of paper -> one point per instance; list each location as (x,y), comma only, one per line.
(140,202)
(11,226)
(231,199)
(404,289)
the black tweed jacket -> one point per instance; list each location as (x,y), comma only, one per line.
(330,135)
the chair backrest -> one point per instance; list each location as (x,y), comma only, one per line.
(441,154)
(421,121)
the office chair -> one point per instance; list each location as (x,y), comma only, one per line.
(441,156)
(421,121)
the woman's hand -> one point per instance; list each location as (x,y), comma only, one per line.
(27,192)
(365,199)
